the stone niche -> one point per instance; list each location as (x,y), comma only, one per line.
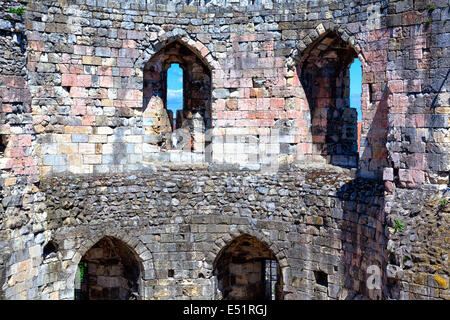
(165,131)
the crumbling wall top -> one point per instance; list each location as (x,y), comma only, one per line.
(194,6)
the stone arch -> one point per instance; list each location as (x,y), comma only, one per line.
(219,244)
(137,249)
(194,119)
(304,44)
(321,63)
(165,38)
(248,268)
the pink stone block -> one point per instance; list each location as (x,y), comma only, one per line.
(23,140)
(16,152)
(28,162)
(396,86)
(104,71)
(404,175)
(129,94)
(246,83)
(262,104)
(128,44)
(122,34)
(13,82)
(6,108)
(247,122)
(220,104)
(78,92)
(106,82)
(417,176)
(389,186)
(63,68)
(267,45)
(277,103)
(76,69)
(247,104)
(36,45)
(128,53)
(77,110)
(265,122)
(87,120)
(84,80)
(130,104)
(13,95)
(248,37)
(419,120)
(204,52)
(294,114)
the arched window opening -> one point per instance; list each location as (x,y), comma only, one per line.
(325,76)
(108,271)
(177,95)
(356,92)
(247,270)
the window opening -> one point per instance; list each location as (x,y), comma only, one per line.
(175,101)
(270,278)
(356,92)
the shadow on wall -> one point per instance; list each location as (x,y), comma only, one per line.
(373,157)
(363,238)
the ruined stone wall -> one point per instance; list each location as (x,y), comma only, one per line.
(18,167)
(87,65)
(418,255)
(77,110)
(417,174)
(181,221)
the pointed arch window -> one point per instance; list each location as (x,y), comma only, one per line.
(172,122)
(325,77)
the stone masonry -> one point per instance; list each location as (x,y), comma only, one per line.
(102,197)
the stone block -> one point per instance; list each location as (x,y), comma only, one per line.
(91,60)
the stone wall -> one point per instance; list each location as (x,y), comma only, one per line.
(418,254)
(79,159)
(87,66)
(181,220)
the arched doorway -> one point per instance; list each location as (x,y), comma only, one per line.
(246,269)
(110,270)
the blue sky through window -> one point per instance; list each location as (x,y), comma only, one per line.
(356,86)
(175,88)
